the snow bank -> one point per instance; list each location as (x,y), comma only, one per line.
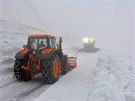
(114,80)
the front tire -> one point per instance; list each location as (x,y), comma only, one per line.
(19,73)
(50,69)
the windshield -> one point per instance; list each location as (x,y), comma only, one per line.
(38,43)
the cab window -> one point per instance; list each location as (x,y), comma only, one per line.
(52,43)
(33,43)
(42,43)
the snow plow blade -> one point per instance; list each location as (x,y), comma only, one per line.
(72,62)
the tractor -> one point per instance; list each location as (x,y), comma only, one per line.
(42,54)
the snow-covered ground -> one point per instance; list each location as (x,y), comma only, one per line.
(101,76)
(98,77)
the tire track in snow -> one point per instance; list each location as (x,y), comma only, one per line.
(31,95)
(6,72)
(24,94)
(20,90)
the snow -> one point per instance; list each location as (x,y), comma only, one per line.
(101,77)
(113,79)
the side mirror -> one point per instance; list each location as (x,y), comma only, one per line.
(25,46)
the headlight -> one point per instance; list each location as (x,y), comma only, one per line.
(91,40)
(86,40)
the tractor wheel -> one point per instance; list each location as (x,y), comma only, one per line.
(50,69)
(19,73)
(64,68)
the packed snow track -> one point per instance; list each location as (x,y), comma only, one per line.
(15,91)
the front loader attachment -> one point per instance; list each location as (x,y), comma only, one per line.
(72,62)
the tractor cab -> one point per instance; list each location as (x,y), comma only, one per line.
(40,42)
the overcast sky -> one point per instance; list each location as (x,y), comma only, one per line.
(110,22)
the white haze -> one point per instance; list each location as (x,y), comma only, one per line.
(110,22)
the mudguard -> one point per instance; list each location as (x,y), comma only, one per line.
(47,54)
(21,54)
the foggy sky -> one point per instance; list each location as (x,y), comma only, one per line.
(110,22)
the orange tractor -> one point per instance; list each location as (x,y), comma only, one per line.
(42,54)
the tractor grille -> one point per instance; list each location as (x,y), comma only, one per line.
(34,62)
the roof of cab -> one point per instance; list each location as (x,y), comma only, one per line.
(37,35)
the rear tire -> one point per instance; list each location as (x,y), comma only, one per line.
(19,73)
(64,68)
(50,69)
